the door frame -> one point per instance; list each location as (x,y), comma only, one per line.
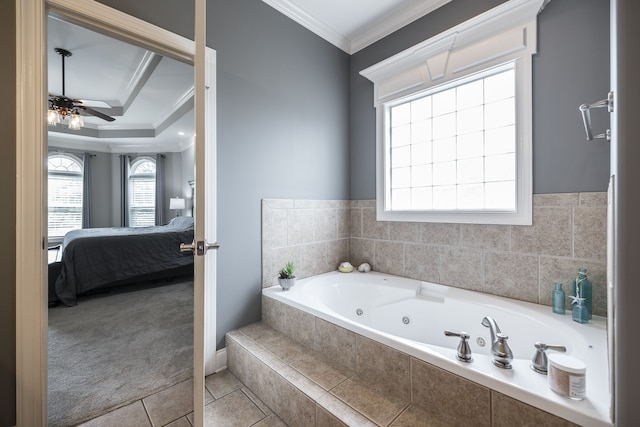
(31,149)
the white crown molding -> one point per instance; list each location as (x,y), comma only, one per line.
(88,144)
(182,106)
(372,34)
(139,78)
(311,23)
(394,23)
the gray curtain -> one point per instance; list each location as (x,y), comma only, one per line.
(86,190)
(124,190)
(160,189)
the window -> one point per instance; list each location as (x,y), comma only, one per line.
(142,192)
(454,122)
(453,147)
(64,194)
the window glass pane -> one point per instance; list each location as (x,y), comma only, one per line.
(444,150)
(500,168)
(444,102)
(500,195)
(456,149)
(470,120)
(470,170)
(401,115)
(500,140)
(500,86)
(400,136)
(421,109)
(470,95)
(470,196)
(401,178)
(64,196)
(444,197)
(421,176)
(421,153)
(444,126)
(499,114)
(421,131)
(421,198)
(470,145)
(444,173)
(142,193)
(401,199)
(401,157)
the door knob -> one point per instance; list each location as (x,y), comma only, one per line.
(200,247)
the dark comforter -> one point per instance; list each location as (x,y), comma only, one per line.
(95,257)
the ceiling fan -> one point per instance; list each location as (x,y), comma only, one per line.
(63,108)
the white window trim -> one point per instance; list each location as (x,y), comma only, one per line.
(58,238)
(132,178)
(503,34)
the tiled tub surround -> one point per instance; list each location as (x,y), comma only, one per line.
(520,262)
(311,372)
(322,310)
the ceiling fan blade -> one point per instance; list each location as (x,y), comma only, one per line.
(95,113)
(92,103)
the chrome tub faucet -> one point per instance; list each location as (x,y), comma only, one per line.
(502,355)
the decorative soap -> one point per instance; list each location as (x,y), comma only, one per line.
(345,267)
(364,268)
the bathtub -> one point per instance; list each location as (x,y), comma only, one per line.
(411,316)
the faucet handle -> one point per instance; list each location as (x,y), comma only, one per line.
(539,361)
(464,350)
(502,355)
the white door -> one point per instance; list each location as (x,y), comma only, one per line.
(205,244)
(31,341)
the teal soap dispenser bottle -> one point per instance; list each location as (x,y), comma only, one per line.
(558,299)
(582,288)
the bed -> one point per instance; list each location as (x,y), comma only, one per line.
(97,258)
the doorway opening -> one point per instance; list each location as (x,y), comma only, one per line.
(113,242)
(31,145)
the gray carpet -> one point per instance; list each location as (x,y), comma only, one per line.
(113,349)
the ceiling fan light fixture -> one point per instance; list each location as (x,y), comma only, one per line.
(75,120)
(53,117)
(67,110)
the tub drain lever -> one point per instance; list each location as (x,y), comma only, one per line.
(464,350)
(539,361)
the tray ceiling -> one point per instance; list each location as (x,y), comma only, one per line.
(150,96)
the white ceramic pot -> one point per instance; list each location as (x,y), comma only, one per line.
(285,284)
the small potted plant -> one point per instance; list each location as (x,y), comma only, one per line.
(286,279)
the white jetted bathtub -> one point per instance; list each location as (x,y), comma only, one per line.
(411,316)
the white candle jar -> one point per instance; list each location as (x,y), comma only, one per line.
(567,376)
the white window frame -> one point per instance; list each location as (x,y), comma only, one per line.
(132,177)
(506,33)
(76,175)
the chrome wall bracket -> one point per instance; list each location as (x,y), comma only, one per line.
(585,109)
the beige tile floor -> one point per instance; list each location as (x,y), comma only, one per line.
(228,403)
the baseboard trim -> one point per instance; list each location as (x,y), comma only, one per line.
(221,359)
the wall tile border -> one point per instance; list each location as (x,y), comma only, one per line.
(520,262)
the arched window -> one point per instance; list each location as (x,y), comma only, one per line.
(142,192)
(64,194)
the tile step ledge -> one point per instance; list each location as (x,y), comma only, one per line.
(304,388)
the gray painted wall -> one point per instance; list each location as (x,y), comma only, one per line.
(8,220)
(283,123)
(571,68)
(188,160)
